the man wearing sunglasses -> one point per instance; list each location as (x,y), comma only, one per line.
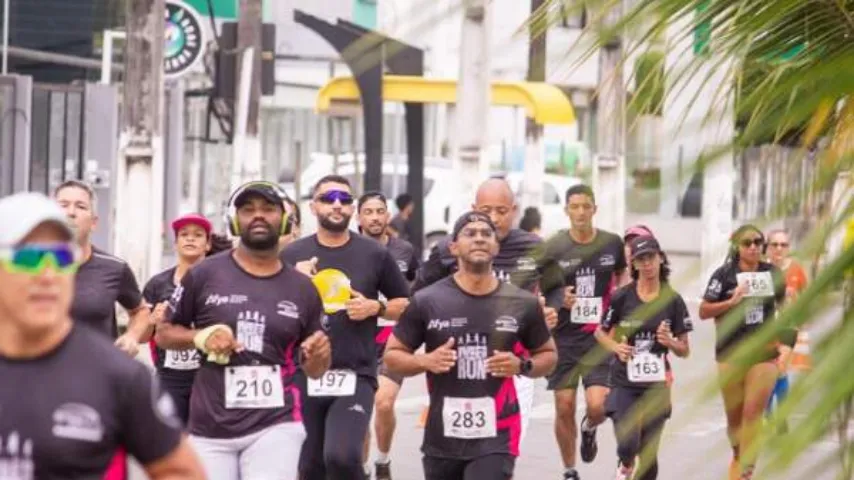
(102,279)
(345,407)
(70,401)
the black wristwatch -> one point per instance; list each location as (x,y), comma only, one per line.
(525,366)
(381,311)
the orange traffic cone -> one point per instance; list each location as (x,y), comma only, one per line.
(801,353)
(422,420)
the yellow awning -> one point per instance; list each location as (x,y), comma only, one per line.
(543,102)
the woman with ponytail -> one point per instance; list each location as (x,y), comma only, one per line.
(743,294)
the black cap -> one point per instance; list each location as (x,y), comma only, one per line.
(644,244)
(471,217)
(265,190)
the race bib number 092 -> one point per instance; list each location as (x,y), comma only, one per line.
(181,359)
(646,367)
(254,387)
(759,284)
(587,310)
(333,383)
(469,418)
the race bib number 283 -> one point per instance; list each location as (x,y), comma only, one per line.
(469,417)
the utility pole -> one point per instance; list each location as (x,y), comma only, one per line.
(473,100)
(139,202)
(534,166)
(609,172)
(246,164)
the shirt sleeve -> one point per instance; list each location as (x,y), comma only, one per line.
(431,271)
(149,292)
(551,275)
(411,326)
(621,264)
(129,295)
(150,427)
(680,319)
(182,305)
(412,268)
(313,318)
(392,282)
(715,288)
(535,333)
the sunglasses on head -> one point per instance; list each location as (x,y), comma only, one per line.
(748,242)
(332,195)
(34,259)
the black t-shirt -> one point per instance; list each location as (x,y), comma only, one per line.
(173,364)
(407,261)
(753,312)
(589,267)
(73,411)
(100,282)
(638,322)
(401,226)
(515,262)
(468,397)
(372,270)
(270,316)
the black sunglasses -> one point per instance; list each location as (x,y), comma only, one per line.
(748,242)
(332,196)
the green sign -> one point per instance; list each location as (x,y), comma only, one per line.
(223,9)
(365,13)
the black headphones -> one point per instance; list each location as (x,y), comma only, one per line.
(733,239)
(231,209)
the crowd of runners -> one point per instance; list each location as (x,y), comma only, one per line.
(274,351)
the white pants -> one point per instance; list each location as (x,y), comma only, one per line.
(269,454)
(525,394)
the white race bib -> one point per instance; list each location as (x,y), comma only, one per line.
(755,313)
(382,322)
(254,387)
(646,367)
(759,284)
(469,417)
(587,310)
(182,359)
(333,383)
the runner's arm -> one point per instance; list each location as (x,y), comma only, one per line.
(181,463)
(715,309)
(176,332)
(544,359)
(408,336)
(713,303)
(393,285)
(140,326)
(537,338)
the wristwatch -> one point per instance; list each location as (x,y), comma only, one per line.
(381,311)
(525,366)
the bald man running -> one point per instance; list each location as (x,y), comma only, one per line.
(515,263)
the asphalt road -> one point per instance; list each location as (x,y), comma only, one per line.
(694,445)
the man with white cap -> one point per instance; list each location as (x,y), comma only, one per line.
(57,420)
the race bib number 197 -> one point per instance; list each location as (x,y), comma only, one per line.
(587,310)
(254,387)
(469,417)
(333,383)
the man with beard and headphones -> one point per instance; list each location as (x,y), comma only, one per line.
(256,320)
(337,410)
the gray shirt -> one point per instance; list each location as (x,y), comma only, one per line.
(100,282)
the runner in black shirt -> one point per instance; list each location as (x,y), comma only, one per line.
(515,263)
(102,279)
(581,268)
(742,296)
(646,320)
(469,324)
(72,405)
(255,320)
(177,368)
(330,450)
(373,222)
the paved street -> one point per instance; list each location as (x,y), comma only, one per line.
(694,446)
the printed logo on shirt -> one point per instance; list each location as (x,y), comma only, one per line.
(471,356)
(436,324)
(526,264)
(216,299)
(715,287)
(506,323)
(689,324)
(585,283)
(401,264)
(76,421)
(644,342)
(459,322)
(325,322)
(287,308)
(607,260)
(164,406)
(250,330)
(176,295)
(502,276)
(16,458)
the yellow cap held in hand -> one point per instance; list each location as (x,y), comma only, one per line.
(334,289)
(201,338)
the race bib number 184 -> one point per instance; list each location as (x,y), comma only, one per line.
(469,417)
(587,310)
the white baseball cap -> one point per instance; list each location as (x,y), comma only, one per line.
(21,213)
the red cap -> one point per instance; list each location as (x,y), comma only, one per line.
(637,231)
(192,219)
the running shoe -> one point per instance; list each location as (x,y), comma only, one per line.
(623,473)
(589,448)
(573,475)
(382,471)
